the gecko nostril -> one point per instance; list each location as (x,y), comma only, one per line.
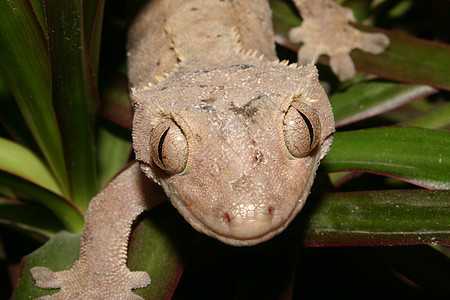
(258,157)
(226,218)
(271,210)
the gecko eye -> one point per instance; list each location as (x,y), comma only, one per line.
(168,147)
(301,129)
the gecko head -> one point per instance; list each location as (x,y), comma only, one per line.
(236,148)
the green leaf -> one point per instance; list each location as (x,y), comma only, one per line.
(21,162)
(38,9)
(25,64)
(283,15)
(74,95)
(437,118)
(407,59)
(69,216)
(114,148)
(371,98)
(416,155)
(159,245)
(398,217)
(35,222)
(13,121)
(361,9)
(116,104)
(93,20)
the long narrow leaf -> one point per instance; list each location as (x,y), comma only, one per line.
(369,99)
(159,246)
(114,148)
(438,118)
(22,162)
(24,61)
(38,9)
(74,95)
(14,123)
(376,218)
(31,220)
(93,18)
(69,216)
(116,104)
(408,59)
(420,156)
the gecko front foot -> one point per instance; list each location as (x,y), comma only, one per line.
(326,30)
(85,283)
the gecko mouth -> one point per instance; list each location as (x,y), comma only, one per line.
(249,221)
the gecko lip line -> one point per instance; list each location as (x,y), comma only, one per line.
(249,221)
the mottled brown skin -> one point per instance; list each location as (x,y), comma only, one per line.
(233,137)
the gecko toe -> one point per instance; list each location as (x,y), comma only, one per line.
(45,278)
(342,65)
(374,43)
(308,54)
(139,279)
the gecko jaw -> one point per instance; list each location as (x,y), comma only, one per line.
(247,221)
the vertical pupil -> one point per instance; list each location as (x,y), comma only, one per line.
(160,146)
(310,128)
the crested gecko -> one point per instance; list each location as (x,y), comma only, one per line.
(233,136)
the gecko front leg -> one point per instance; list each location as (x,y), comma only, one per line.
(101,271)
(326,30)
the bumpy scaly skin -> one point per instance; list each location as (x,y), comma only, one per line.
(229,103)
(326,30)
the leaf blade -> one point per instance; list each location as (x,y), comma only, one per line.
(26,67)
(114,148)
(371,98)
(439,118)
(402,217)
(416,155)
(69,215)
(160,245)
(22,162)
(74,95)
(31,220)
(408,59)
(93,20)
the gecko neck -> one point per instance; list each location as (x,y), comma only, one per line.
(220,38)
